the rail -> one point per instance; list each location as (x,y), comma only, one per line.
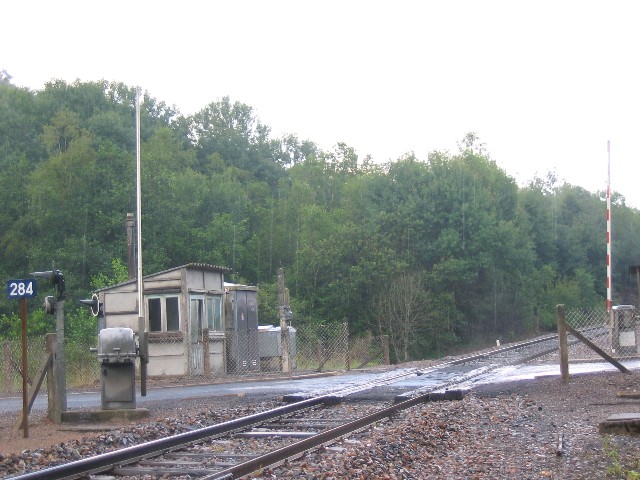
(109,461)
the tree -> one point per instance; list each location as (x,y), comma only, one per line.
(5,78)
(233,131)
(403,313)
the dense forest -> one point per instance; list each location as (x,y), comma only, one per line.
(437,252)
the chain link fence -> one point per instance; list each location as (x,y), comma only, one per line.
(216,356)
(617,333)
(82,365)
(177,358)
(11,374)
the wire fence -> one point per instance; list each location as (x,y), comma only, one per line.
(216,356)
(82,366)
(617,333)
(178,358)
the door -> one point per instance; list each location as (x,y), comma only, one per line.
(247,321)
(196,350)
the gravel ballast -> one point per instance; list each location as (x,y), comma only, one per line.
(532,429)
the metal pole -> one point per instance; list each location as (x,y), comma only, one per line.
(139,204)
(25,394)
(142,338)
(609,260)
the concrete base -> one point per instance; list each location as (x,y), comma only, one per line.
(621,424)
(104,415)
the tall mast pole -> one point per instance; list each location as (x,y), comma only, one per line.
(139,209)
(142,336)
(609,272)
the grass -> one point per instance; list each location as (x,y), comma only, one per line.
(620,468)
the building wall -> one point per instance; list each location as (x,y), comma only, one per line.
(217,355)
(166,357)
(121,309)
(168,352)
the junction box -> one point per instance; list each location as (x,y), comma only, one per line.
(624,332)
(117,354)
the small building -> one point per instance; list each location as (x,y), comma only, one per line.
(181,304)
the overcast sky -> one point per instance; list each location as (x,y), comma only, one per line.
(544,84)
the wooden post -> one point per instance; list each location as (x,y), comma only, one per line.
(52,385)
(284,328)
(59,363)
(385,346)
(347,356)
(562,341)
(131,246)
(6,366)
(205,352)
(25,393)
(320,356)
(35,387)
(596,349)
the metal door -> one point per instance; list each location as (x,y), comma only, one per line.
(247,321)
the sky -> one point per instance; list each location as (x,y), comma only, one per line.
(544,84)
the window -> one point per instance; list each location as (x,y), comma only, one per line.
(173,314)
(164,313)
(195,330)
(214,313)
(205,311)
(154,311)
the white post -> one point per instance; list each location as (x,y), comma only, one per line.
(142,344)
(609,272)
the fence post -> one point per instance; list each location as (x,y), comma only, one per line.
(54,407)
(385,346)
(320,355)
(347,356)
(6,366)
(284,327)
(562,341)
(205,352)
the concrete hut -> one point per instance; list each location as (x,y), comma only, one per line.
(185,316)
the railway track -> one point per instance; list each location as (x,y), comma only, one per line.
(238,447)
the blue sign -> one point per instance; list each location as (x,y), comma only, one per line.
(22,288)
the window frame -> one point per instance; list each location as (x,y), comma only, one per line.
(163,312)
(214,302)
(208,302)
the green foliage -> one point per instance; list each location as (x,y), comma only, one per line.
(628,470)
(80,325)
(268,303)
(493,259)
(38,324)
(120,274)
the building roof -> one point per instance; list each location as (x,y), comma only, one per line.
(196,266)
(192,266)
